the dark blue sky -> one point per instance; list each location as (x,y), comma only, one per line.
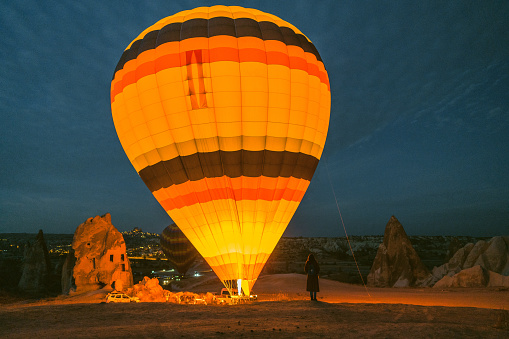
(419,122)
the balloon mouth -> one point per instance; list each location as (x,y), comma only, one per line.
(239,287)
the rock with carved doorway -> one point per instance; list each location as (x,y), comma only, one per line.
(101,258)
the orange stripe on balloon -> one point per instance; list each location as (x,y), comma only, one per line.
(216,55)
(252,55)
(277,58)
(222,54)
(227,193)
(144,69)
(224,183)
(167,61)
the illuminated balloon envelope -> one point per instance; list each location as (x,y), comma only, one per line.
(177,248)
(223,112)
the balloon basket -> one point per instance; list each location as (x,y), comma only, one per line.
(237,300)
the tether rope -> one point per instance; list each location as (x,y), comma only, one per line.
(344,228)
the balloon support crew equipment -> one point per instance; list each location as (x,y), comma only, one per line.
(236,293)
(344,228)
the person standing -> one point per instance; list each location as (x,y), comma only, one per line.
(312,270)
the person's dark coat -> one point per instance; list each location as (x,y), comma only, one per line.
(312,269)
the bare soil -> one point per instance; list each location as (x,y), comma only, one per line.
(283,311)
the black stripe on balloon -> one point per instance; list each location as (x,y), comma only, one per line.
(232,164)
(207,28)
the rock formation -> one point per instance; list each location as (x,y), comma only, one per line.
(149,290)
(454,246)
(36,266)
(471,277)
(101,258)
(67,279)
(476,276)
(396,263)
(492,257)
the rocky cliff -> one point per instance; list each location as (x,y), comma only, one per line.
(101,258)
(484,264)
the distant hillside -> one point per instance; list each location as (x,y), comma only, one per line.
(336,259)
(289,255)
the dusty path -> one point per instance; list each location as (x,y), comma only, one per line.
(336,292)
(292,286)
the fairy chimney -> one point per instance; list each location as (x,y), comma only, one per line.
(36,266)
(396,264)
(101,258)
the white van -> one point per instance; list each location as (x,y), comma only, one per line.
(119,297)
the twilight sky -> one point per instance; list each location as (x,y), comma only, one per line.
(419,121)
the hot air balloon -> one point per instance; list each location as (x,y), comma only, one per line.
(223,112)
(177,248)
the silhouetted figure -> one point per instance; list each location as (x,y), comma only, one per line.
(312,270)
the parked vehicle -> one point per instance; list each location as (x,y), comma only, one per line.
(119,297)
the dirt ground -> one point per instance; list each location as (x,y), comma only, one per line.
(283,311)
